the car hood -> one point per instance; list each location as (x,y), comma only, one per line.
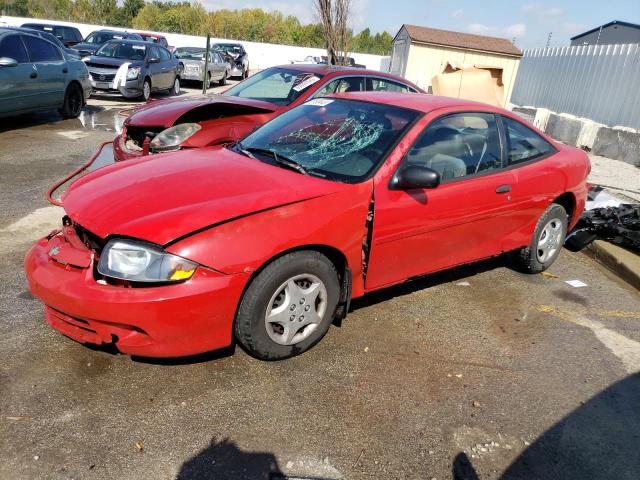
(88,47)
(161,198)
(164,113)
(111,62)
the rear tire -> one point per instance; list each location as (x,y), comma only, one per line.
(548,239)
(245,73)
(175,89)
(271,323)
(223,80)
(73,102)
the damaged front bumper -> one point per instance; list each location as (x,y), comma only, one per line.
(160,321)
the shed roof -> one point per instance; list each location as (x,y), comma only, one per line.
(467,41)
(614,22)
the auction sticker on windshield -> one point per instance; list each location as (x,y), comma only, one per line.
(306,83)
(319,102)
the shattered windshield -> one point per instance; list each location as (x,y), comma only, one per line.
(338,139)
(190,53)
(276,85)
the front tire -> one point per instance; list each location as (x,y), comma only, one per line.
(288,307)
(73,102)
(146,90)
(547,241)
(223,80)
(175,89)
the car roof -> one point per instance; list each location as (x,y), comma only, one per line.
(156,35)
(128,41)
(25,30)
(421,102)
(336,70)
(49,25)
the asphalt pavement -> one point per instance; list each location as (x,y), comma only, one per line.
(480,372)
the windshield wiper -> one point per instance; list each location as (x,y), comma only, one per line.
(279,159)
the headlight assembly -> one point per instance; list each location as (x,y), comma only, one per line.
(143,262)
(171,138)
(132,73)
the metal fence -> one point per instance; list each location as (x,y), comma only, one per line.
(600,82)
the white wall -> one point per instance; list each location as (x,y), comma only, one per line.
(261,55)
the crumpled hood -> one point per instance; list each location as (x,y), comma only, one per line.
(163,113)
(164,197)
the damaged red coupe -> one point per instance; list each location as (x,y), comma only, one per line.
(268,240)
(191,122)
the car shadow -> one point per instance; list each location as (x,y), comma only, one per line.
(598,440)
(190,360)
(431,280)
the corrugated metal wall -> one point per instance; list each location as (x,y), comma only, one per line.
(601,82)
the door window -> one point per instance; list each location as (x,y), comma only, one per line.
(341,85)
(164,55)
(523,144)
(380,85)
(41,50)
(153,52)
(458,145)
(12,47)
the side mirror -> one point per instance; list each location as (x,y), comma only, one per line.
(154,60)
(414,177)
(8,62)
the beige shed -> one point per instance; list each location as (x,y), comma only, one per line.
(457,64)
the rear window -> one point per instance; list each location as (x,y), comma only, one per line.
(11,47)
(523,144)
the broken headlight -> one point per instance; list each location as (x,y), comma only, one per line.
(171,138)
(143,262)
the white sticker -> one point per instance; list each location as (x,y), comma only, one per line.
(319,102)
(306,83)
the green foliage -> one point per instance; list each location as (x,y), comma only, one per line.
(249,24)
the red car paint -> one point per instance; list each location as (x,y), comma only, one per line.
(233,215)
(227,121)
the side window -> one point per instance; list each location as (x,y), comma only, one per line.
(164,55)
(341,85)
(153,52)
(41,50)
(523,144)
(380,85)
(12,47)
(458,145)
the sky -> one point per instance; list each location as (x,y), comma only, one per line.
(529,22)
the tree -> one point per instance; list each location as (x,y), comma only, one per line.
(334,17)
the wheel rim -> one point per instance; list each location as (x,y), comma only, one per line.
(75,102)
(296,309)
(550,240)
(176,86)
(146,90)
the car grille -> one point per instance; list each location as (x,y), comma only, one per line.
(138,134)
(101,74)
(192,69)
(91,240)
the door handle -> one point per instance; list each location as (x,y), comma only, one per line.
(65,70)
(34,75)
(503,189)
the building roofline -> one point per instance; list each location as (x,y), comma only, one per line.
(613,22)
(492,52)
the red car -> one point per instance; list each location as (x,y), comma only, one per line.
(268,240)
(217,119)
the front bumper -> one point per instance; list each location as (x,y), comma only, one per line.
(120,150)
(236,71)
(192,317)
(197,76)
(131,88)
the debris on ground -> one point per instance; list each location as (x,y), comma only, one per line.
(463,284)
(139,446)
(576,283)
(549,275)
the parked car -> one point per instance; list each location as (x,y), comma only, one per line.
(96,39)
(214,119)
(36,75)
(240,63)
(192,61)
(310,59)
(157,39)
(70,52)
(70,36)
(133,68)
(268,240)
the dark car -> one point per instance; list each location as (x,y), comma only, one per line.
(35,75)
(238,57)
(70,36)
(96,39)
(198,121)
(70,52)
(133,68)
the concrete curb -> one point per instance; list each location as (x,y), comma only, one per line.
(622,262)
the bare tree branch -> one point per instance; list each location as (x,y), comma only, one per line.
(333,15)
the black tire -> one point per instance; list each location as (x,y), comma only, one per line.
(530,259)
(251,324)
(73,102)
(146,89)
(245,73)
(175,88)
(223,80)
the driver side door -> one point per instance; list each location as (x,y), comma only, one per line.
(465,218)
